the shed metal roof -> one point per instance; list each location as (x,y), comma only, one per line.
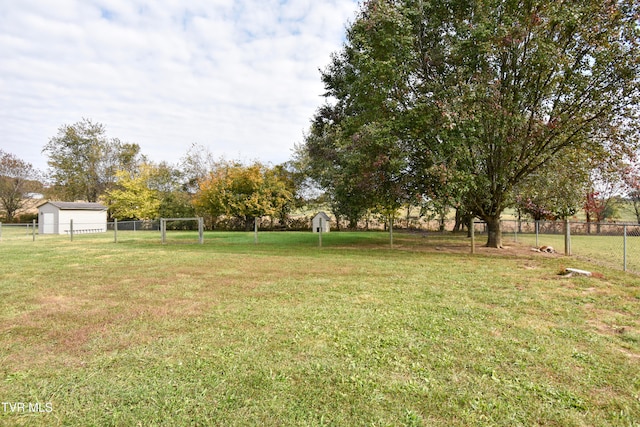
(77,206)
(323,215)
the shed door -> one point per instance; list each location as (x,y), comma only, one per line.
(47,223)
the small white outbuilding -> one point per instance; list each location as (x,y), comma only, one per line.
(55,217)
(321,221)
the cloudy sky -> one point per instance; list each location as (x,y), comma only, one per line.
(237,76)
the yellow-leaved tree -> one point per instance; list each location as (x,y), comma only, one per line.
(244,192)
(133,198)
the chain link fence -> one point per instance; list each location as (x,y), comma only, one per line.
(125,230)
(134,226)
(22,231)
(614,245)
(609,244)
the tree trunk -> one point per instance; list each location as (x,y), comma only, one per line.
(353,223)
(249,221)
(11,213)
(458,224)
(494,235)
(519,222)
(463,219)
(408,214)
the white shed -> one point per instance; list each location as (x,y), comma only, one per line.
(321,220)
(55,217)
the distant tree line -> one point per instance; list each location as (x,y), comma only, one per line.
(85,164)
(231,195)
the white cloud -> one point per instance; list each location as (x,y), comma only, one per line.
(237,76)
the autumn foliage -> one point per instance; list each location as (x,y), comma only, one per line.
(243,192)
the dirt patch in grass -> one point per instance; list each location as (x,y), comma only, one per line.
(74,326)
(86,317)
(446,243)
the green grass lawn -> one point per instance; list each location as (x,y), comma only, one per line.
(285,333)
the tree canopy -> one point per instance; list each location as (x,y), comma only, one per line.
(477,97)
(134,197)
(83,161)
(244,192)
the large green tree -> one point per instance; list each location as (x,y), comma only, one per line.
(83,161)
(342,165)
(173,189)
(356,146)
(491,91)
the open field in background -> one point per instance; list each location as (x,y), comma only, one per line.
(285,333)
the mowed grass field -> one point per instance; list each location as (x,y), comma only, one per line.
(284,333)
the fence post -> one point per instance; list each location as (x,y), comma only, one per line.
(624,248)
(201,230)
(515,231)
(473,236)
(320,233)
(537,232)
(34,230)
(71,229)
(115,230)
(163,229)
(567,238)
